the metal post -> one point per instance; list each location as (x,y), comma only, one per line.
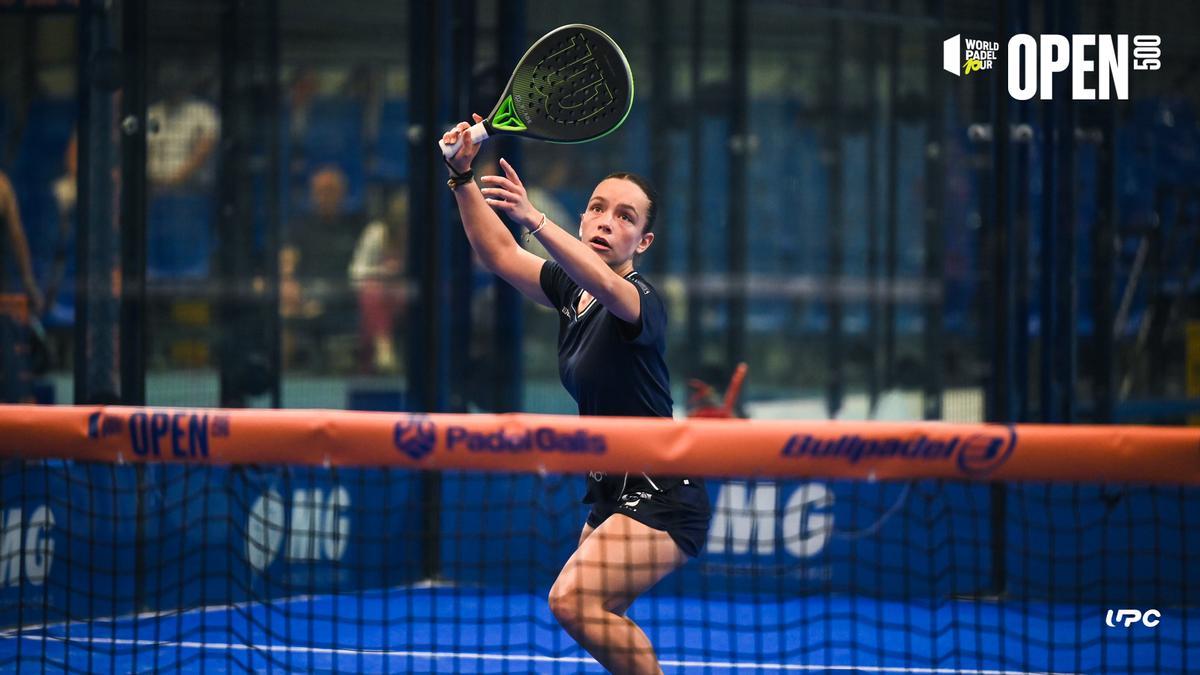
(429,206)
(1001,399)
(1048,338)
(508,318)
(132,330)
(132,340)
(660,120)
(92,96)
(428,203)
(1058,241)
(230,222)
(832,151)
(270,112)
(1066,350)
(874,303)
(891,238)
(1103,250)
(247,156)
(1021,236)
(1000,248)
(739,150)
(459,267)
(934,242)
(694,230)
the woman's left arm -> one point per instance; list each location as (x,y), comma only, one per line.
(506,193)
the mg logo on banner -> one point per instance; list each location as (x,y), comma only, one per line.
(318,528)
(26,546)
(746,519)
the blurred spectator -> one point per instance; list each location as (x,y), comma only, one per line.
(15,312)
(183,135)
(377,272)
(364,84)
(16,243)
(313,263)
(325,238)
(296,312)
(66,185)
(65,195)
(301,92)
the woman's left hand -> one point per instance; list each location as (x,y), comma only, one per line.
(506,193)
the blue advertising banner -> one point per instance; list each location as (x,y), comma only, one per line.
(70,546)
(91,540)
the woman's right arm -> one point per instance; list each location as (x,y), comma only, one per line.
(489,237)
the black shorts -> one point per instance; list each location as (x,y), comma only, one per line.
(680,509)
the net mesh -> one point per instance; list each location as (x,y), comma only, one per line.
(117,567)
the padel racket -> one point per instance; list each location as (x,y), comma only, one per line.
(573,85)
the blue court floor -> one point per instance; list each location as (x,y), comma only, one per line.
(447,629)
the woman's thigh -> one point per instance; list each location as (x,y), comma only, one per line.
(619,560)
(587,531)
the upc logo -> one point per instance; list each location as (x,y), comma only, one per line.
(1128,617)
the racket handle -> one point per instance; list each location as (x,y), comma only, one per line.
(478,133)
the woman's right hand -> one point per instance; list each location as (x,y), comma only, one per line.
(461,160)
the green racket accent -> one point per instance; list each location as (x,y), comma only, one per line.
(506,117)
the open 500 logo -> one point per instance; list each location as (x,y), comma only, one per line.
(1099,64)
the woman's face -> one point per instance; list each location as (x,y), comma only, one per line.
(613,224)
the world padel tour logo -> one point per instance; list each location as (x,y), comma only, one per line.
(963,57)
(416,436)
(975,455)
(1099,65)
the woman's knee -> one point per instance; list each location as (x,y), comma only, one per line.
(571,602)
(567,603)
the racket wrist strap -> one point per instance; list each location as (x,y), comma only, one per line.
(461,179)
(457,179)
(459,175)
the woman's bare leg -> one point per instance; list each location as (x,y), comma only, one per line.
(587,530)
(614,564)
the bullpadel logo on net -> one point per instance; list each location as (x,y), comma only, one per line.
(1099,64)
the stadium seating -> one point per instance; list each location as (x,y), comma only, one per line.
(180,236)
(44,139)
(391,151)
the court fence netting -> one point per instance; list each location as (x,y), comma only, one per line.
(188,539)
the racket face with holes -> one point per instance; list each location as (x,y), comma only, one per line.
(573,85)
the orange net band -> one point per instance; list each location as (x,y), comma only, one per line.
(569,444)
